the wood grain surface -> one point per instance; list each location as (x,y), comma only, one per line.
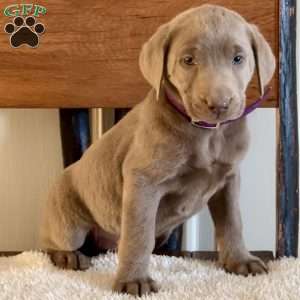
(88,55)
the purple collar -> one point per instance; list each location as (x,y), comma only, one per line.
(201,124)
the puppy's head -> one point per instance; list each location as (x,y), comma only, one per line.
(206,57)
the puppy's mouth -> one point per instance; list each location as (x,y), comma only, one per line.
(204,114)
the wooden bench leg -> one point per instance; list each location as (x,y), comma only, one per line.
(288,150)
(75,133)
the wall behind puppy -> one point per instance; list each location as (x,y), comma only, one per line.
(30,159)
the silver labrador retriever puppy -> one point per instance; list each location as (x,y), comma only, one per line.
(154,169)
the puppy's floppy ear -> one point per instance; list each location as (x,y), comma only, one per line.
(152,57)
(264,58)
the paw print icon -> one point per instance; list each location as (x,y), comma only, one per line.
(24,32)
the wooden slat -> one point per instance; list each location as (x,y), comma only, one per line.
(209,255)
(88,56)
(203,255)
(212,255)
(9,253)
(173,253)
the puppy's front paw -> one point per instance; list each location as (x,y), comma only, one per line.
(245,266)
(138,287)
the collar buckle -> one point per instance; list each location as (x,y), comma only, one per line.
(204,126)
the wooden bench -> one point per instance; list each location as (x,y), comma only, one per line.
(88,57)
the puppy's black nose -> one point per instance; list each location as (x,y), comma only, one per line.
(218,108)
(217,105)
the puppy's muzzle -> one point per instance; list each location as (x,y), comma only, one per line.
(216,105)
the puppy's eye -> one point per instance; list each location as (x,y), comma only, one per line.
(189,60)
(237,60)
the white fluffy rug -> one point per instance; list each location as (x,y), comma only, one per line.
(31,276)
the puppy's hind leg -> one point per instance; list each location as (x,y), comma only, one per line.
(65,225)
(70,260)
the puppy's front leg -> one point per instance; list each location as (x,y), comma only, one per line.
(139,208)
(225,211)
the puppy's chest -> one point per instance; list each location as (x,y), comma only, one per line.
(210,161)
(204,172)
(211,152)
(206,168)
